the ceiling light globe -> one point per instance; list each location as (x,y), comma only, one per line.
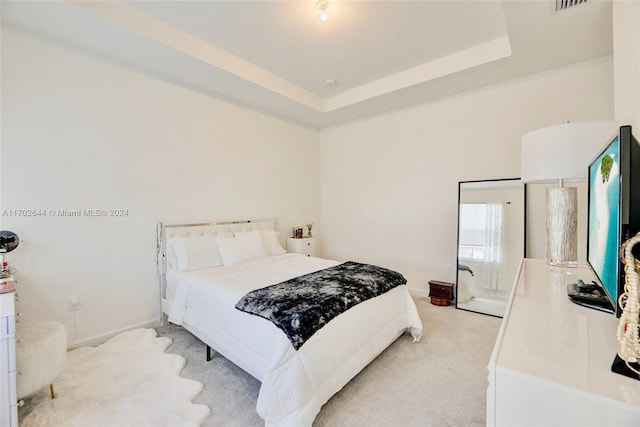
(324,16)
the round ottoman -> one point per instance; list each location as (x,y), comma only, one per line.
(41,354)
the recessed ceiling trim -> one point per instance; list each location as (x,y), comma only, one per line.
(152,40)
(465,59)
(162,32)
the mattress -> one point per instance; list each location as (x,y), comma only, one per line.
(295,384)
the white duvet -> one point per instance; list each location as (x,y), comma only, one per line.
(295,384)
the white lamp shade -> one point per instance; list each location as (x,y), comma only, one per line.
(563,151)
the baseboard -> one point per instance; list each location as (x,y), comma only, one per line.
(102,338)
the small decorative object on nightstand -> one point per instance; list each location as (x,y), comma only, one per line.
(441,293)
(305,245)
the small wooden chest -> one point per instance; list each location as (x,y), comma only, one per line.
(441,293)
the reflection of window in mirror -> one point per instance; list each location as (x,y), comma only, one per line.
(491,243)
(481,232)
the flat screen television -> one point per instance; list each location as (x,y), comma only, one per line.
(613,212)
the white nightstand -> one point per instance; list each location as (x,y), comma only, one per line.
(305,245)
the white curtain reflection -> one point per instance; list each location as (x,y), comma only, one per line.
(482,242)
(494,243)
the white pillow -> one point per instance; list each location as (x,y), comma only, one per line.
(172,260)
(194,253)
(272,242)
(243,247)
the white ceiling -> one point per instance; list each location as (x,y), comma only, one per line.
(275,56)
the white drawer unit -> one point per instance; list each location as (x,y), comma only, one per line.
(8,401)
(305,245)
(551,364)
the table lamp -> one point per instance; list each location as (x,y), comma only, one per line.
(562,153)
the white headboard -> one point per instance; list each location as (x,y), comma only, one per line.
(167,231)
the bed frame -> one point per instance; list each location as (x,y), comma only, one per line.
(308,375)
(166,231)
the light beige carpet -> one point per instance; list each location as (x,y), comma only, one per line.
(440,381)
(127,381)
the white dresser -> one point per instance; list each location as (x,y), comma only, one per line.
(551,364)
(8,401)
(304,245)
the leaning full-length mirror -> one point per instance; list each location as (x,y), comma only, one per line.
(491,233)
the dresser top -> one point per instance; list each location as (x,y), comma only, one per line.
(546,336)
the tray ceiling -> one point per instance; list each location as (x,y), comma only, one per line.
(276,56)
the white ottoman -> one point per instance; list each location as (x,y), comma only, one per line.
(41,355)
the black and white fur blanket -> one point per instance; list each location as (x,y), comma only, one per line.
(303,305)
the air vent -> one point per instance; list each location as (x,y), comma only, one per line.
(566,4)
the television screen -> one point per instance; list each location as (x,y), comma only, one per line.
(613,213)
(604,217)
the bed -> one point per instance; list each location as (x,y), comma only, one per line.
(466,284)
(201,284)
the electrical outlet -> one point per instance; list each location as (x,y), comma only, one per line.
(73,304)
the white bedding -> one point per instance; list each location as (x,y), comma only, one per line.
(295,384)
(466,287)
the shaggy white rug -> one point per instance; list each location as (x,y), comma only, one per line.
(127,381)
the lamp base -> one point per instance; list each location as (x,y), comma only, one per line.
(562,263)
(562,224)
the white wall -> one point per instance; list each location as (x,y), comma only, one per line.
(78,133)
(389,183)
(626,51)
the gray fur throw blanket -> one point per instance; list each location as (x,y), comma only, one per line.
(303,305)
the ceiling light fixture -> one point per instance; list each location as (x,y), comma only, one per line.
(322,7)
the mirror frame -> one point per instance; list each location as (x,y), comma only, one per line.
(524,235)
